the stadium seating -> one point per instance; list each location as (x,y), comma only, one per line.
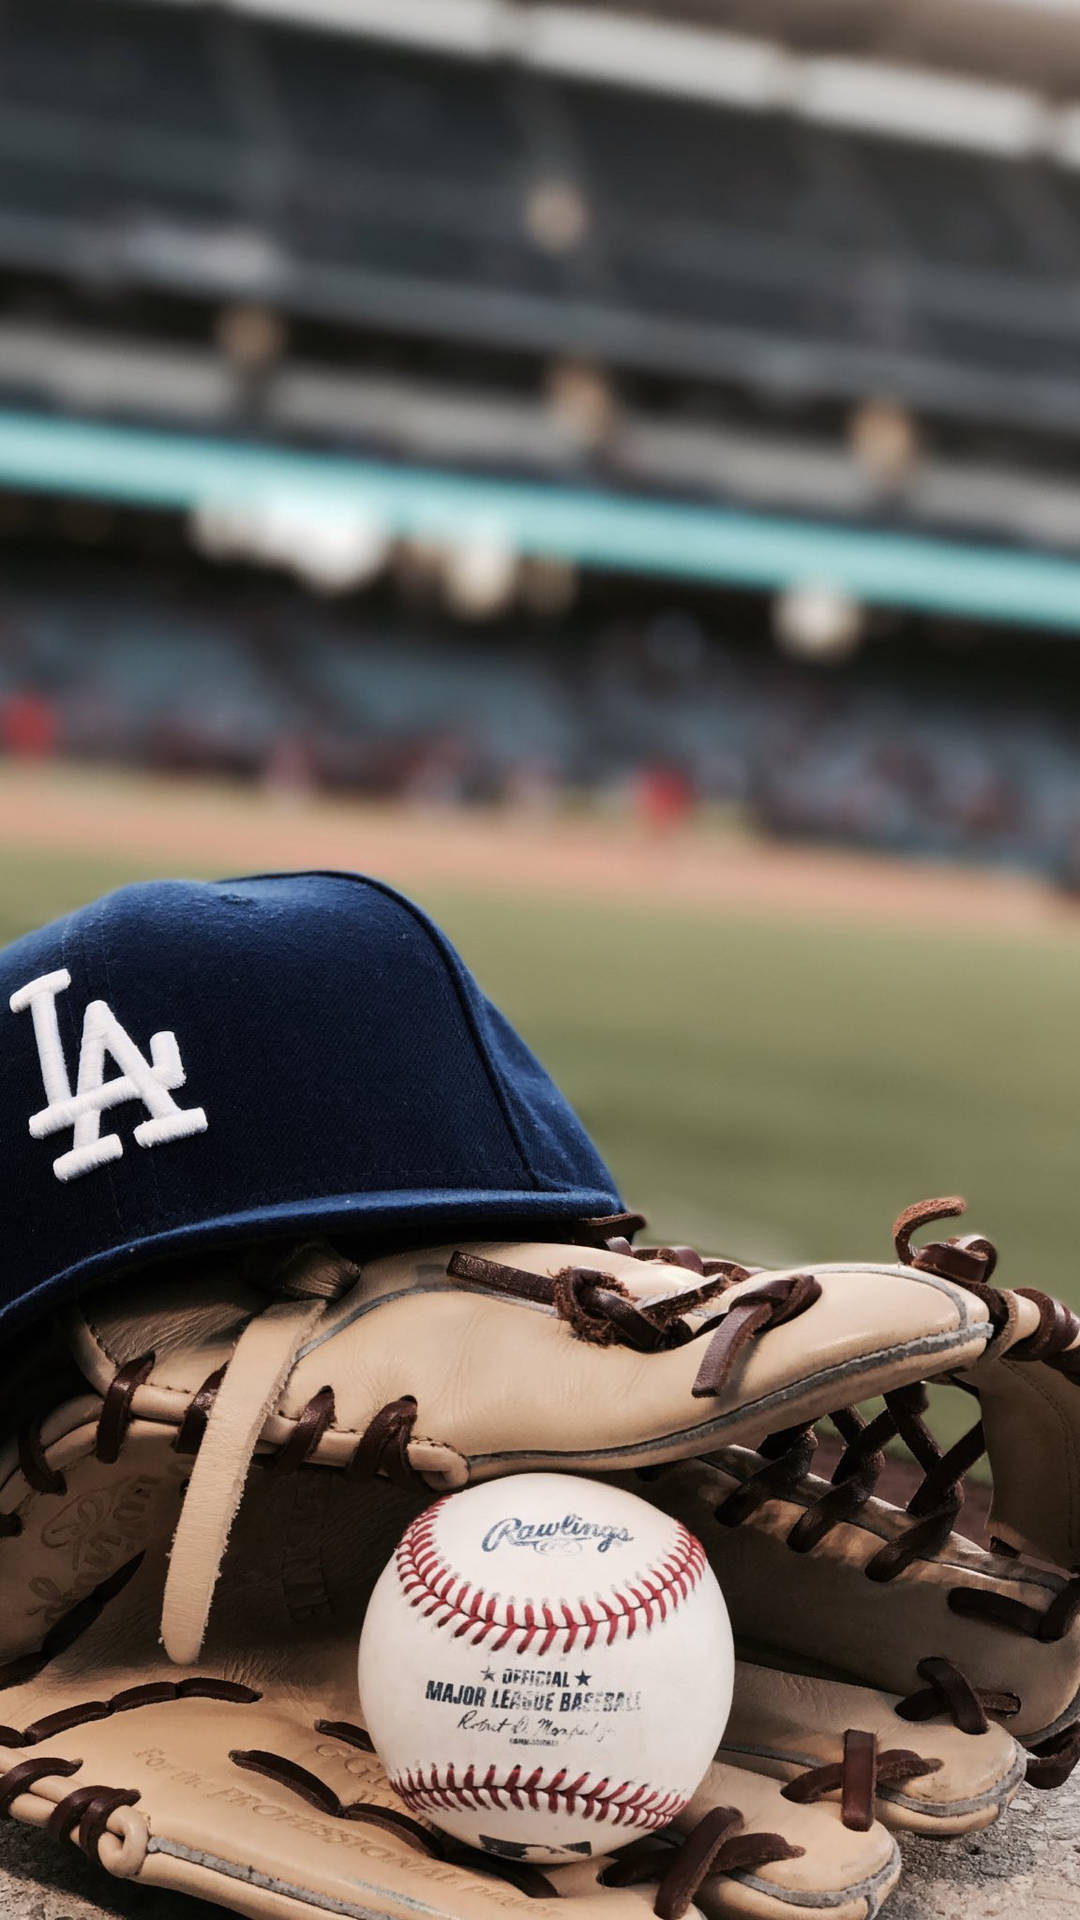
(112,62)
(938,758)
(381,180)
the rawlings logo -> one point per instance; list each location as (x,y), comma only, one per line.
(570,1534)
(150,1082)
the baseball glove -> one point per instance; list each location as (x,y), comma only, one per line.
(234,1765)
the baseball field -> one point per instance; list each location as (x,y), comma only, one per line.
(775,1049)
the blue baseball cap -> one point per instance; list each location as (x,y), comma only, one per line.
(189,1064)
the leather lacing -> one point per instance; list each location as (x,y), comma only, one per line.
(717,1844)
(438,1846)
(84,1813)
(112,1426)
(598,1308)
(595,1305)
(858,1775)
(785,1460)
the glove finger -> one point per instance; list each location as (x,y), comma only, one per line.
(833,1870)
(538,1355)
(930,1778)
(457,1365)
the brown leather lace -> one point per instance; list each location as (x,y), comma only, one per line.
(786,1456)
(597,1307)
(948,1690)
(785,1459)
(754,1313)
(1052,1760)
(679,1864)
(88,1809)
(117,1409)
(382,1451)
(438,1846)
(857,1776)
(718,1844)
(82,1814)
(152,1693)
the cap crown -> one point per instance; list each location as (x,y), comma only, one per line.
(187,1062)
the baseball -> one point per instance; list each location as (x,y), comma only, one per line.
(546,1666)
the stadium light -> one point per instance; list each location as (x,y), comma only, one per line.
(479,575)
(339,552)
(555,216)
(331,547)
(252,338)
(581,400)
(885,441)
(815,620)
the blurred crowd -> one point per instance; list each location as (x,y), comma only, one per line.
(921,751)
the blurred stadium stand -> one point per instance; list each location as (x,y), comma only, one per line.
(919,750)
(186,148)
(193,150)
(750,299)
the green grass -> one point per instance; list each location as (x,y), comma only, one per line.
(778,1090)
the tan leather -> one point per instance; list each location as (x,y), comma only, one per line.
(500,1384)
(783,1723)
(262,1361)
(503,1384)
(1031,1418)
(551,1400)
(303,1556)
(821,1606)
(842,1875)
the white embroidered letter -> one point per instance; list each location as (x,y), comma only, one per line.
(152,1082)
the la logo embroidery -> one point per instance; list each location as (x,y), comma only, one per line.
(152,1082)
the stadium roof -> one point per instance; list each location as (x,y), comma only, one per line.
(631,534)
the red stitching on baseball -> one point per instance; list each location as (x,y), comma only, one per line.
(622,1805)
(472,1612)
